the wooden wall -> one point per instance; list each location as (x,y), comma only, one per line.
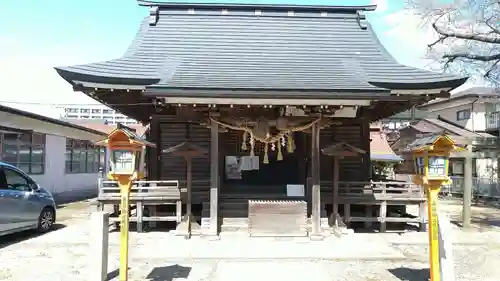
(351,168)
(167,132)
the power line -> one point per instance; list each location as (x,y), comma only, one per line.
(51,104)
(71,104)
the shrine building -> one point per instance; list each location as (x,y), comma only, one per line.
(264,88)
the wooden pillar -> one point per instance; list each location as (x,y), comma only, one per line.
(366,164)
(383,210)
(316,190)
(335,193)
(189,163)
(468,183)
(214,180)
(154,153)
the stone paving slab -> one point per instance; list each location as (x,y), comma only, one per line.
(458,236)
(251,271)
(174,247)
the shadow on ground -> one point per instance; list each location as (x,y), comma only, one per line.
(393,227)
(70,204)
(410,274)
(481,222)
(169,273)
(161,273)
(14,238)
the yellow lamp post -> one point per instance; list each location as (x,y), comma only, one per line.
(431,160)
(126,151)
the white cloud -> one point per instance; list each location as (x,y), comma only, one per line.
(382,5)
(406,28)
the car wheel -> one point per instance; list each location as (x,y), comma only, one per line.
(46,220)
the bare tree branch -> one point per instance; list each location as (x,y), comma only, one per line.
(466,35)
(494,29)
(488,73)
(471,57)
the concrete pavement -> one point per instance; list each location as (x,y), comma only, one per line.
(63,254)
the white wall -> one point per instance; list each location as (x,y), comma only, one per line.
(55,179)
(448,110)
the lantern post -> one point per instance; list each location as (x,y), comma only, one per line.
(431,160)
(126,157)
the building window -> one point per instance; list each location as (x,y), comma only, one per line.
(83,157)
(107,111)
(72,110)
(25,151)
(84,110)
(463,114)
(96,111)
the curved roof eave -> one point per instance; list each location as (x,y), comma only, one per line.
(444,83)
(149,3)
(91,80)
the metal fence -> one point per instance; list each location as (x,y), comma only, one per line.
(481,187)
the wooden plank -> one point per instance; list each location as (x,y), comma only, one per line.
(140,217)
(167,199)
(178,211)
(347,209)
(335,192)
(422,211)
(369,214)
(383,216)
(388,219)
(146,202)
(147,219)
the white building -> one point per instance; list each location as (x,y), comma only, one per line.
(98,111)
(59,155)
(476,109)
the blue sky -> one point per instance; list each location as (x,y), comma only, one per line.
(36,35)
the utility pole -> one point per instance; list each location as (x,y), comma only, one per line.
(468,184)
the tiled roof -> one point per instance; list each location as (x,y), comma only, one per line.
(209,46)
(424,126)
(107,129)
(380,149)
(473,92)
(441,125)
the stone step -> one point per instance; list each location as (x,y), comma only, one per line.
(243,222)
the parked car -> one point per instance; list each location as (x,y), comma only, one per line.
(24,205)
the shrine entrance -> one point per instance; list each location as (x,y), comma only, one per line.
(245,174)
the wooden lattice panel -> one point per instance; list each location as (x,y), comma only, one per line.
(277,218)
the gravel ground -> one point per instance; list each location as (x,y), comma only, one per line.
(63,255)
